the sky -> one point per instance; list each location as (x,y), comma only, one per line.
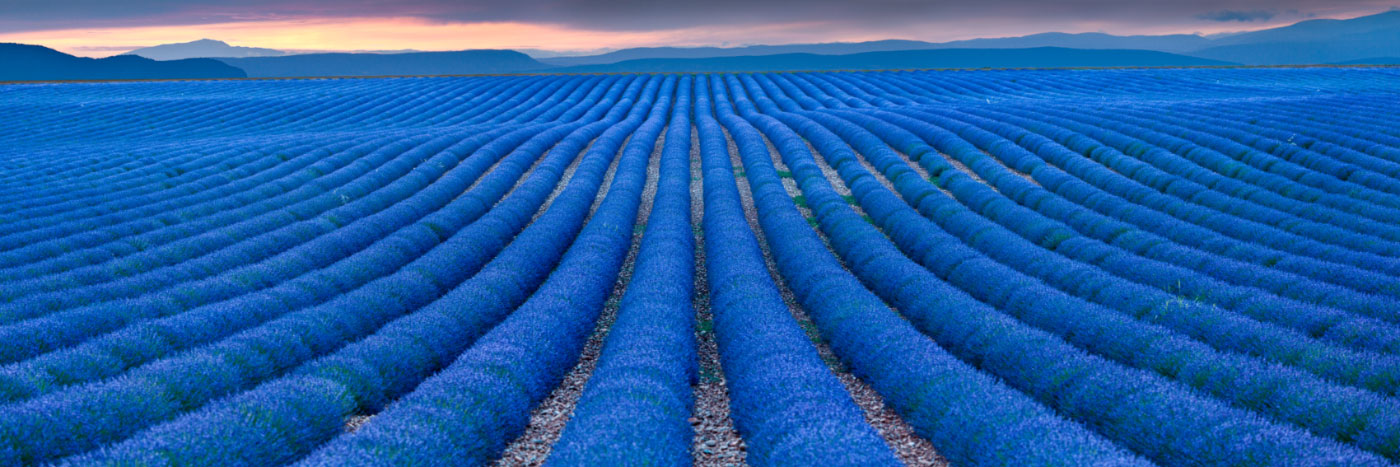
(98,28)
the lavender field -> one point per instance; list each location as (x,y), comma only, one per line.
(1196,266)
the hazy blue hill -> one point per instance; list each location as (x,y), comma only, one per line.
(1312,42)
(1305,53)
(832,48)
(203,48)
(1316,30)
(1169,43)
(1089,40)
(23,62)
(366,64)
(1039,57)
(1372,61)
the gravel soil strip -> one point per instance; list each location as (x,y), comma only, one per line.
(547,420)
(907,445)
(716,443)
(841,189)
(607,179)
(356,421)
(918,169)
(963,167)
(910,448)
(563,181)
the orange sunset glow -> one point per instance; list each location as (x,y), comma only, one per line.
(350,34)
(334,34)
(397,33)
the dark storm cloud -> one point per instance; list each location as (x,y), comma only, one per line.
(650,15)
(1226,16)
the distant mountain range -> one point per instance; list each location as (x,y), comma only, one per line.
(834,48)
(203,48)
(368,64)
(1172,43)
(1037,57)
(1175,43)
(1373,39)
(1312,42)
(22,62)
(1371,61)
